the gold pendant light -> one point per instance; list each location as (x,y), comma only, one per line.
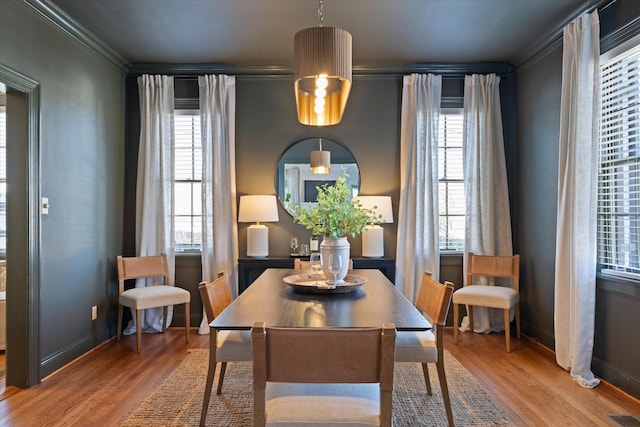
(322,73)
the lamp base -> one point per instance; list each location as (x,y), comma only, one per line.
(372,242)
(257,241)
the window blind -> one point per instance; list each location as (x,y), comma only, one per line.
(618,209)
(188,177)
(451,180)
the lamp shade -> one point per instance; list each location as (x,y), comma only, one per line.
(382,204)
(322,74)
(320,161)
(258,209)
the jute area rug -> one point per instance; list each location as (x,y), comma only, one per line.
(179,399)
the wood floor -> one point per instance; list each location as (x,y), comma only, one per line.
(105,386)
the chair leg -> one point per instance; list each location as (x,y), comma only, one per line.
(119,330)
(223,370)
(138,330)
(470,314)
(518,320)
(258,408)
(386,408)
(187,314)
(455,323)
(211,372)
(507,327)
(165,314)
(427,382)
(445,391)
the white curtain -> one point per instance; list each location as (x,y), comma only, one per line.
(488,220)
(154,192)
(219,226)
(575,277)
(418,246)
(292,185)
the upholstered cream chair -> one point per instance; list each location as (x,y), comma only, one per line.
(138,299)
(426,347)
(490,295)
(230,345)
(322,376)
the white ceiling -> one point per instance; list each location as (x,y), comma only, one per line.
(260,32)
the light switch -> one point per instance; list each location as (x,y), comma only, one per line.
(45,206)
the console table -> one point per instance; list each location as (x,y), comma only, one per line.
(250,268)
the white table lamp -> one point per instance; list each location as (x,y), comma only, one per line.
(373,235)
(258,209)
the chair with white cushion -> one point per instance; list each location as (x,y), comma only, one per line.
(230,345)
(425,347)
(157,295)
(323,376)
(490,295)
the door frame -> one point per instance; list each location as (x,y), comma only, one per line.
(23,237)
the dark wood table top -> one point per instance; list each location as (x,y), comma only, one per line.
(271,300)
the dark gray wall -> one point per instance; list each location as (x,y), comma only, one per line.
(81,172)
(266,125)
(616,353)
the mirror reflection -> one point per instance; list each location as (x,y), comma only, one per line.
(295,181)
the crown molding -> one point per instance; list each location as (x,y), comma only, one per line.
(51,14)
(276,71)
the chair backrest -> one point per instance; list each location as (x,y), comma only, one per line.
(216,296)
(142,267)
(300,355)
(494,266)
(434,299)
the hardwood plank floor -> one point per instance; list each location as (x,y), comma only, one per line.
(106,385)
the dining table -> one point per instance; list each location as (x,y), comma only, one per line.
(271,300)
(274,298)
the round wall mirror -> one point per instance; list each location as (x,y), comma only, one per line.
(296,183)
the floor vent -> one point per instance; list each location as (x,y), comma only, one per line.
(624,420)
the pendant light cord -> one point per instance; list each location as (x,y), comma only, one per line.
(320,12)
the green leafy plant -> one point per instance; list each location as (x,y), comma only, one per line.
(335,214)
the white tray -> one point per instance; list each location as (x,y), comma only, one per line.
(307,283)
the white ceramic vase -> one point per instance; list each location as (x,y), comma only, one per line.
(335,246)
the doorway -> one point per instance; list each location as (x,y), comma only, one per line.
(3,234)
(22,227)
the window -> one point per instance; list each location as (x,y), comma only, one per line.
(188,178)
(451,180)
(619,162)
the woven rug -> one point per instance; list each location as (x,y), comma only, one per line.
(179,399)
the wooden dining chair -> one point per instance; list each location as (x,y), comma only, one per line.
(159,295)
(323,376)
(426,347)
(490,295)
(229,345)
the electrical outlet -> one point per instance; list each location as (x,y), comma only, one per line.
(94,312)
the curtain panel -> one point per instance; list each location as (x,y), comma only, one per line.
(154,191)
(418,245)
(219,211)
(576,256)
(488,218)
